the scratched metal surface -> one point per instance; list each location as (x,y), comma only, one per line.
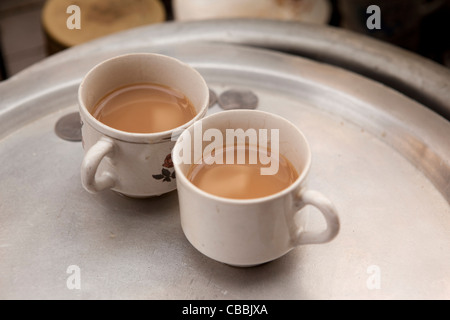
(382,158)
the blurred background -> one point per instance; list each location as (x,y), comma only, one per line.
(31,30)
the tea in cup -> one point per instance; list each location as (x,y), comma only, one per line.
(130,107)
(247,208)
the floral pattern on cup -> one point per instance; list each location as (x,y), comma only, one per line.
(166,175)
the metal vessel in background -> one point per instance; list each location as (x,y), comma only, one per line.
(312,11)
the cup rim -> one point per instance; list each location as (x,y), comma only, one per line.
(181,177)
(140,137)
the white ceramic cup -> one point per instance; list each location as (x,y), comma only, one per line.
(252,232)
(136,165)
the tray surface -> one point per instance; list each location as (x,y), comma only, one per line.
(383,159)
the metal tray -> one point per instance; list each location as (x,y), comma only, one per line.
(382,158)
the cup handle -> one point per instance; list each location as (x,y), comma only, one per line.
(316,199)
(89,167)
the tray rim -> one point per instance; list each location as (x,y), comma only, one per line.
(254,60)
